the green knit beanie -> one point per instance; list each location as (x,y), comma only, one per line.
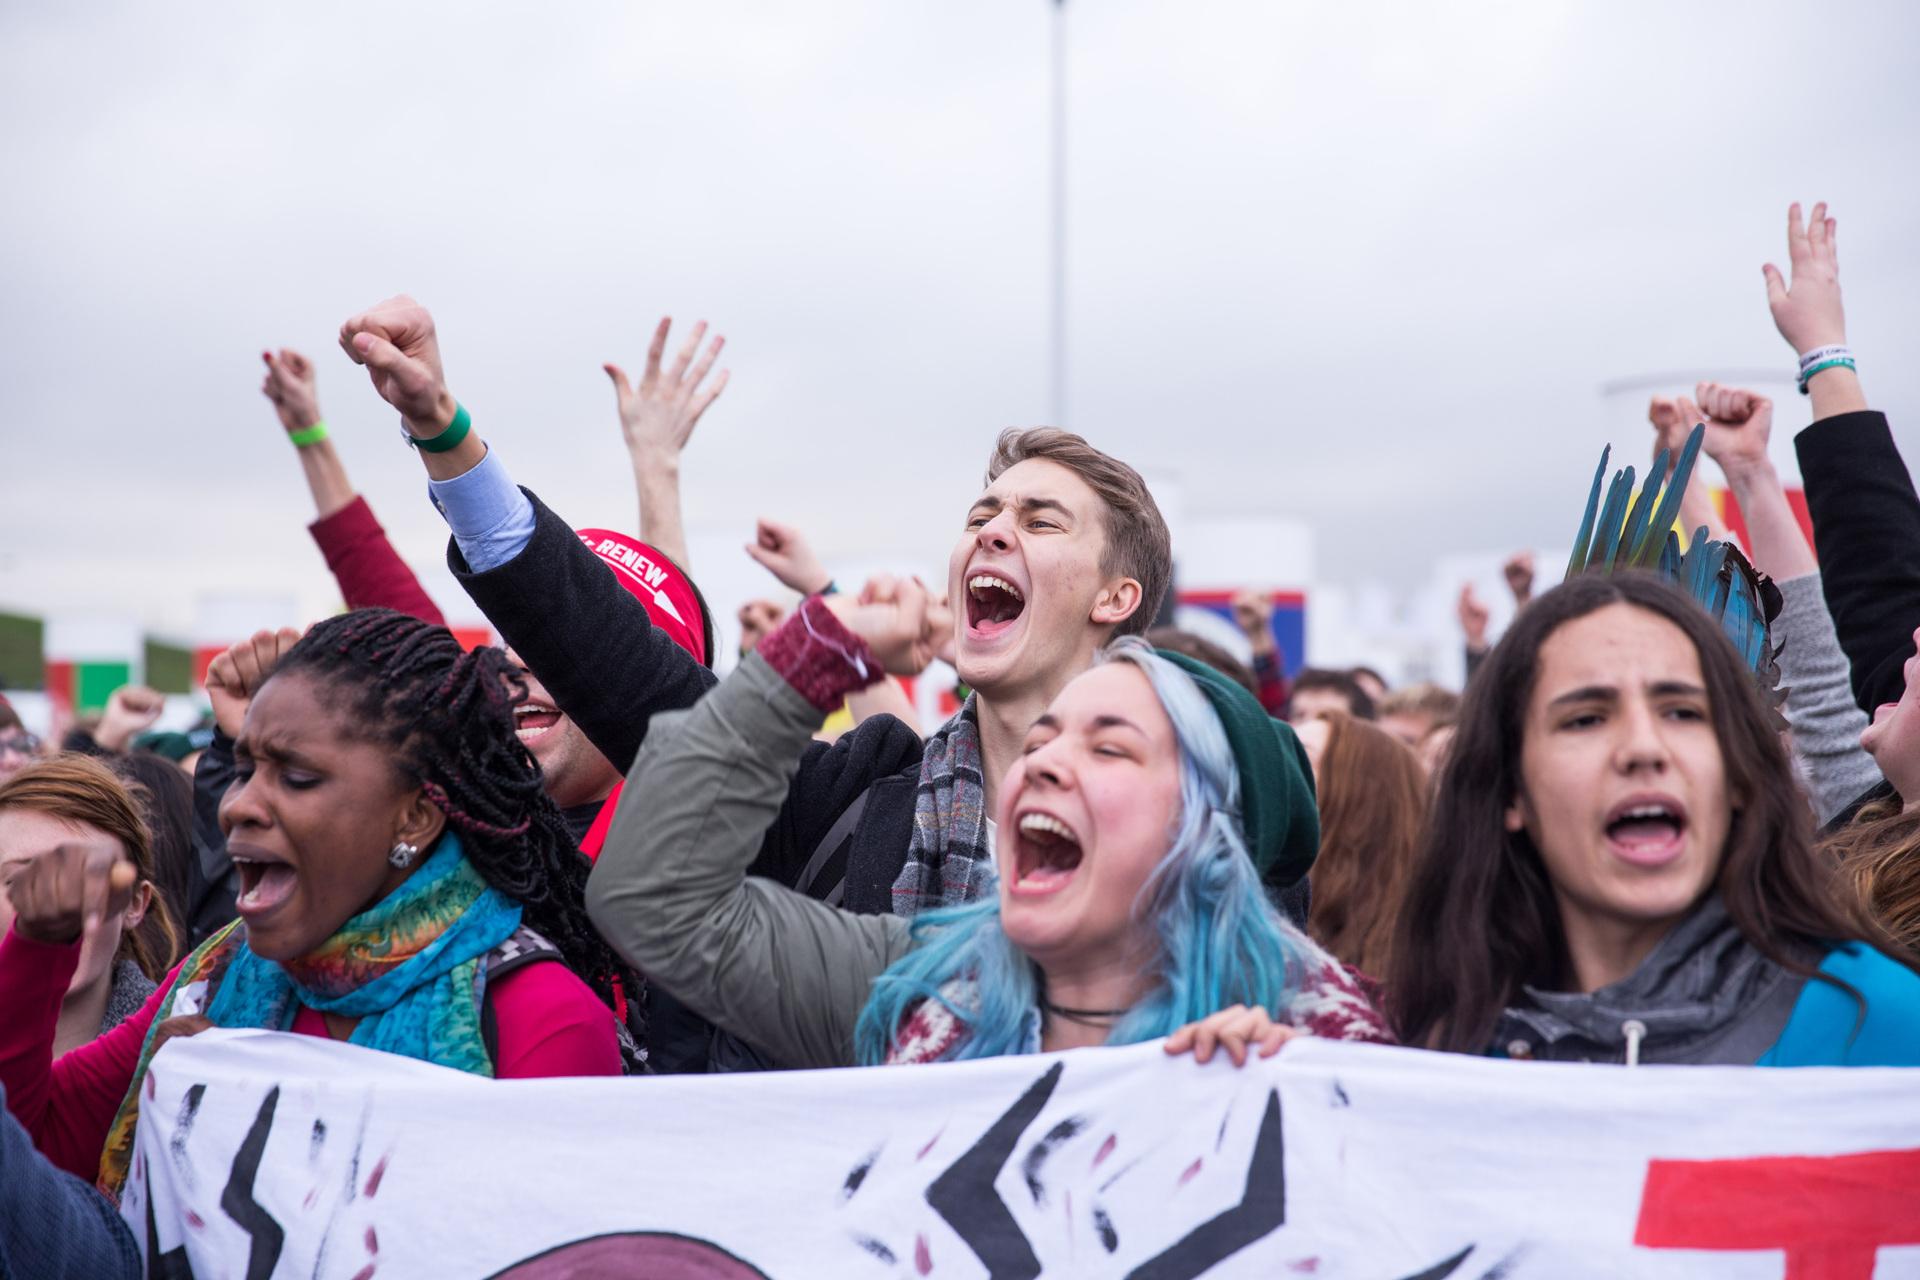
(1277,807)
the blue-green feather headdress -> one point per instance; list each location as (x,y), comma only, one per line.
(1628,532)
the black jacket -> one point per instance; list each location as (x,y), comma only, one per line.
(1866,533)
(611,670)
(211,882)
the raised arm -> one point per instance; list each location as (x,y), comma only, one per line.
(1673,420)
(58,901)
(1866,516)
(670,890)
(1820,708)
(657,418)
(554,602)
(1253,614)
(370,572)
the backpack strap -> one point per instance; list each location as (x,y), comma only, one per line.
(825,875)
(522,948)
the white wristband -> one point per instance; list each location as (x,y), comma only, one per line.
(1836,351)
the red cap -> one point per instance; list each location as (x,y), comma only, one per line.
(657,583)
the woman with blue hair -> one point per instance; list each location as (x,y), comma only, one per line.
(1129,839)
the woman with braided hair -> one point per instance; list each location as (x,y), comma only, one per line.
(400,871)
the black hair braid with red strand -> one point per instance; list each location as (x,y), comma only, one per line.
(448,716)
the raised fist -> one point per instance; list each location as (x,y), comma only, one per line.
(236,675)
(1739,424)
(1673,418)
(1474,618)
(396,342)
(1518,571)
(899,619)
(68,891)
(1808,311)
(1252,612)
(131,709)
(784,552)
(291,386)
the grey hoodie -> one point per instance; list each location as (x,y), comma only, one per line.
(1704,995)
(1825,720)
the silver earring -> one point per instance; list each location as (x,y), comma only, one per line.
(402,855)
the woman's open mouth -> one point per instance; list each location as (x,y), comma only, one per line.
(265,884)
(532,720)
(1046,854)
(993,605)
(1647,832)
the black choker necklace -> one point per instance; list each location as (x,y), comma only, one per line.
(1083,1015)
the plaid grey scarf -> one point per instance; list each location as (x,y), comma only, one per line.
(948,859)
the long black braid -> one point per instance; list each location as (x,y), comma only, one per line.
(448,716)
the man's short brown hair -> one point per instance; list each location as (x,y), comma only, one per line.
(1138,545)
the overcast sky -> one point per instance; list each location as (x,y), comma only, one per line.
(1369,269)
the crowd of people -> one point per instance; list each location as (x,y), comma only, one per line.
(583,854)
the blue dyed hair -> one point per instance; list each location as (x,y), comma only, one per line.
(1221,941)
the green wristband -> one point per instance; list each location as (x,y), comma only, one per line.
(309,435)
(450,438)
(1844,362)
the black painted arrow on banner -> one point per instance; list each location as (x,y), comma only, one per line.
(965,1197)
(1261,1211)
(268,1235)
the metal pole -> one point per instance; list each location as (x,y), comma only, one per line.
(1059,352)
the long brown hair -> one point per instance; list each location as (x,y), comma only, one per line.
(1373,808)
(79,789)
(1879,857)
(1480,919)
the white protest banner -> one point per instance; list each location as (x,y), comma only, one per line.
(277,1156)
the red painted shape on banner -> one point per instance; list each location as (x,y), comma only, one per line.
(1829,1213)
(373,1180)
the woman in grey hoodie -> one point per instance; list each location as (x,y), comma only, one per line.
(1621,821)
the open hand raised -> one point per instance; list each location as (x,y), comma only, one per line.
(659,415)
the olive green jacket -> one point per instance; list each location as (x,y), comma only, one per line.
(784,972)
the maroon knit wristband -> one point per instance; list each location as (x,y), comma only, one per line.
(820,658)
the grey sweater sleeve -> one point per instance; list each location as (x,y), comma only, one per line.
(670,891)
(1825,720)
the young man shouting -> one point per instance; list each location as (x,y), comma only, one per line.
(1064,550)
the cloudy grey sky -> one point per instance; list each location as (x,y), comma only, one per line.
(1366,265)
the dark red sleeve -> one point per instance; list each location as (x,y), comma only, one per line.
(370,572)
(551,1024)
(67,1104)
(1271,677)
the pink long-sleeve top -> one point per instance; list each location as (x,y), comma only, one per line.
(550,1024)
(370,572)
